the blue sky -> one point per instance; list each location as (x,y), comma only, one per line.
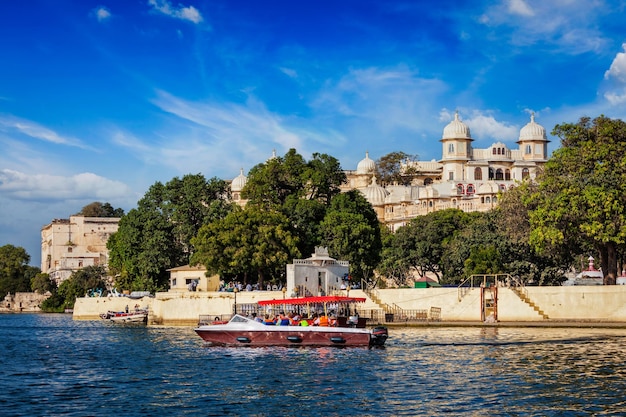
(101,99)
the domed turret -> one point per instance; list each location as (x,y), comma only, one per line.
(366,166)
(239,182)
(375,194)
(456,129)
(532,130)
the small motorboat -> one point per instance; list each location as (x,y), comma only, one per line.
(137,315)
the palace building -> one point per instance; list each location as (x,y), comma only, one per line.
(465,178)
(68,245)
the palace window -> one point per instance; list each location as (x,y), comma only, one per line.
(507,175)
(451,148)
(470,189)
(478,174)
(528,150)
(499,174)
(525,173)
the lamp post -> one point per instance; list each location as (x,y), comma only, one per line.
(284,292)
(348,291)
(235,290)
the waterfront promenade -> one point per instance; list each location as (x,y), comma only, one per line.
(574,306)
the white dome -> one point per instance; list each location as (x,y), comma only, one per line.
(375,194)
(239,182)
(456,129)
(366,166)
(532,130)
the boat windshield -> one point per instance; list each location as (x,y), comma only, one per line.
(239,319)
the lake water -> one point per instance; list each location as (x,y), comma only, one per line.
(51,365)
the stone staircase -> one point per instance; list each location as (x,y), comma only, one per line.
(521,292)
(373,295)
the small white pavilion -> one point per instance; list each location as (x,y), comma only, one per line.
(318,275)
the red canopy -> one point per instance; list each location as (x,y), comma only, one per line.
(313,300)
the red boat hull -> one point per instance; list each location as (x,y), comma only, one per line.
(292,336)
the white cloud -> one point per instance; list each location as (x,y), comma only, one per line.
(615,86)
(618,67)
(616,97)
(571,26)
(101,13)
(482,125)
(486,126)
(291,73)
(520,7)
(219,138)
(14,124)
(189,13)
(391,98)
(21,186)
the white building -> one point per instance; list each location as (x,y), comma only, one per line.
(68,245)
(318,275)
(192,278)
(464,178)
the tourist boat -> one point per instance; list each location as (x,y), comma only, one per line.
(134,316)
(244,331)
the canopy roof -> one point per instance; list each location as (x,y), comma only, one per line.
(313,300)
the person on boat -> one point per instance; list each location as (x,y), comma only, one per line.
(321,321)
(268,321)
(283,320)
(304,321)
(332,319)
(254,317)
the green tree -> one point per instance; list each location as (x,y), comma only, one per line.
(298,189)
(98,209)
(476,248)
(582,193)
(272,182)
(42,283)
(247,243)
(80,283)
(157,235)
(392,265)
(512,219)
(393,168)
(351,232)
(420,246)
(15,273)
(323,178)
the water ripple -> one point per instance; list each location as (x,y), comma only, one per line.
(53,366)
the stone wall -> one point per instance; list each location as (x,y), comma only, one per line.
(23,302)
(574,303)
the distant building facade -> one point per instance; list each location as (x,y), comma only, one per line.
(192,278)
(68,245)
(464,178)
